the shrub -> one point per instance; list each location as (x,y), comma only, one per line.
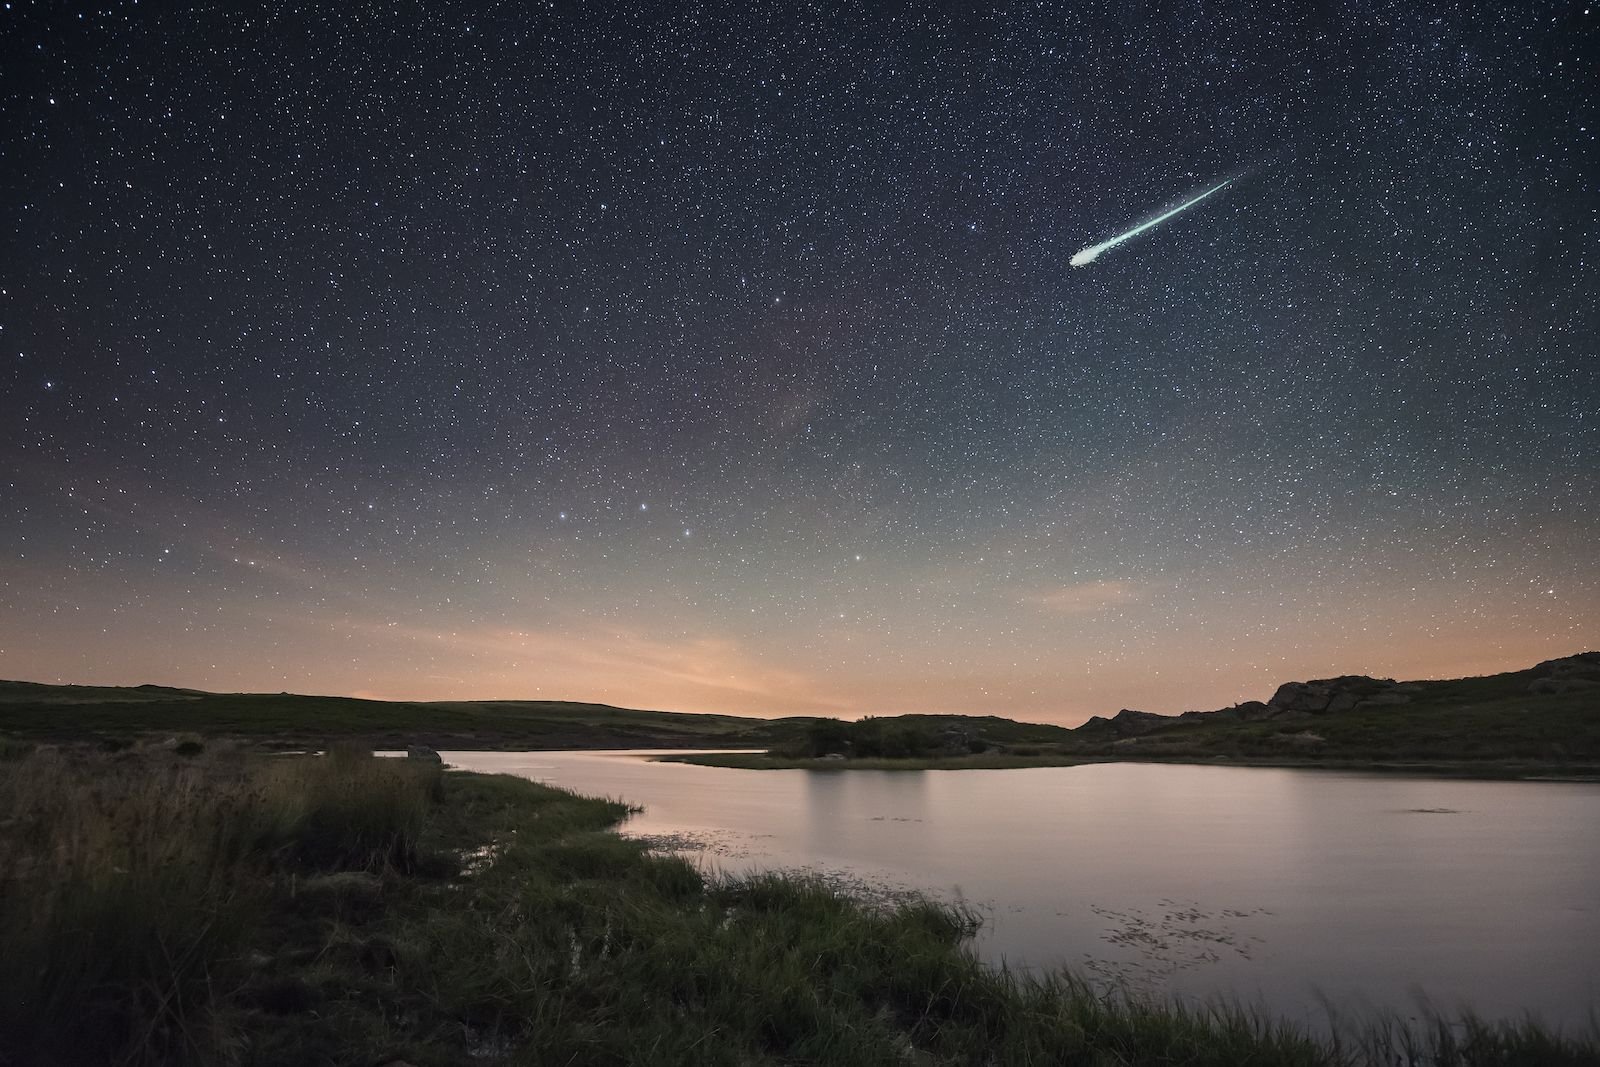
(825,737)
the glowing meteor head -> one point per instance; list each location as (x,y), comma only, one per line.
(1084,258)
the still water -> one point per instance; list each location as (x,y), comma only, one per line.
(1280,888)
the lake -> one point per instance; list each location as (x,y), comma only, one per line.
(1275,887)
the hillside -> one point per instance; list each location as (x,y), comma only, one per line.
(1549,713)
(36,712)
(1543,720)
(1545,716)
(56,713)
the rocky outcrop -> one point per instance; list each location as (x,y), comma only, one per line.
(1207,716)
(1252,711)
(1307,701)
(1249,711)
(1293,700)
(1130,723)
(1331,695)
(1570,674)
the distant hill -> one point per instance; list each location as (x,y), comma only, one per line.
(40,693)
(31,711)
(1547,714)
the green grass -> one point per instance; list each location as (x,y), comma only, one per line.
(1449,723)
(267,910)
(34,713)
(131,884)
(1487,727)
(1491,727)
(44,713)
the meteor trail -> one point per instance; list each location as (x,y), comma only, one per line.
(1087,256)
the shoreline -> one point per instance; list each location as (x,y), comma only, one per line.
(1520,770)
(355,909)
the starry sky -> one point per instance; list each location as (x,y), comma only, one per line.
(728,357)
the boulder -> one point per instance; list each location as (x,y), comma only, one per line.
(1325,695)
(1301,696)
(1343,701)
(423,753)
(1252,711)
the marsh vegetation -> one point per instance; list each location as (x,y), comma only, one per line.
(212,907)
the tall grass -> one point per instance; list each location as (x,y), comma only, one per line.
(580,948)
(156,908)
(130,884)
(349,811)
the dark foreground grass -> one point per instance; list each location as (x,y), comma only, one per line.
(132,886)
(218,909)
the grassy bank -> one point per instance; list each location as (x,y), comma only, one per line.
(215,908)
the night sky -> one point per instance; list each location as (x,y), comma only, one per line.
(729,358)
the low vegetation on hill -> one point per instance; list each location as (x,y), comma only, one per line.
(1544,720)
(213,907)
(1544,717)
(911,737)
(32,712)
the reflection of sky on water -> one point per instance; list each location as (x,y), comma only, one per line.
(1264,884)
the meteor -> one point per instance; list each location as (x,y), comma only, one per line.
(1087,256)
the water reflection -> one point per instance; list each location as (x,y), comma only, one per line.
(843,807)
(1266,884)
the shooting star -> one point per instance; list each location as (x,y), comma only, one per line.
(1087,256)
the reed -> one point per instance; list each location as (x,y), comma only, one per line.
(130,885)
(214,908)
